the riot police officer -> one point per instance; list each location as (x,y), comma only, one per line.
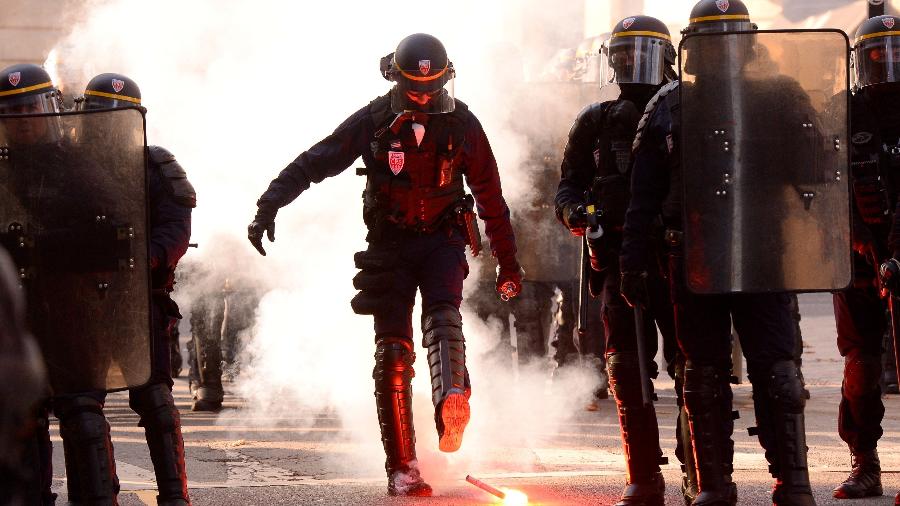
(763,320)
(20,365)
(595,172)
(859,311)
(418,144)
(90,464)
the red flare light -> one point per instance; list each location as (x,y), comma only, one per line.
(509,496)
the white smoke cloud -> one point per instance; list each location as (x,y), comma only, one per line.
(236,90)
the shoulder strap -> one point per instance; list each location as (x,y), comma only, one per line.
(648,111)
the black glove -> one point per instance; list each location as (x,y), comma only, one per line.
(575,218)
(634,288)
(889,277)
(509,279)
(263,222)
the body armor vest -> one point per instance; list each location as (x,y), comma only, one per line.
(413,184)
(875,163)
(610,186)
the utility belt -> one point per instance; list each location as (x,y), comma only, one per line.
(460,215)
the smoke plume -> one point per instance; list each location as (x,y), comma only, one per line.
(236,90)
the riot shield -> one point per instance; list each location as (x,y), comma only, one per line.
(764,154)
(73,213)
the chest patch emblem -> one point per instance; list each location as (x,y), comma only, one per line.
(861,138)
(723,5)
(670,143)
(396,160)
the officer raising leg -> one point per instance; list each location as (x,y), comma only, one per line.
(419,145)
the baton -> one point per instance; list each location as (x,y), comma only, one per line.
(895,328)
(641,333)
(584,289)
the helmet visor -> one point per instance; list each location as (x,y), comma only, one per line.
(431,97)
(38,103)
(721,26)
(635,60)
(877,60)
(89,103)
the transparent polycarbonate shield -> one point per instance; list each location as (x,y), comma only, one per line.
(764,153)
(73,215)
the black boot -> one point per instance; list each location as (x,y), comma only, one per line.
(684,450)
(707,397)
(780,404)
(450,390)
(162,428)
(640,434)
(864,479)
(393,374)
(90,465)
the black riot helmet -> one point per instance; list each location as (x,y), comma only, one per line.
(638,51)
(423,73)
(876,51)
(27,88)
(719,16)
(109,90)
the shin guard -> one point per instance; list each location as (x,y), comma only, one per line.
(162,428)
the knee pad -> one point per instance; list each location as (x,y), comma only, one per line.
(625,377)
(80,418)
(785,388)
(706,384)
(156,407)
(394,359)
(862,373)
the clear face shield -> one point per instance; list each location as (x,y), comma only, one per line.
(434,96)
(877,61)
(89,103)
(633,60)
(42,128)
(724,25)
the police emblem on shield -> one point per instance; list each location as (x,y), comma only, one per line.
(888,23)
(424,67)
(723,5)
(395,161)
(626,24)
(14,78)
(118,84)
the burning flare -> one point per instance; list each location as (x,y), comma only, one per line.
(508,496)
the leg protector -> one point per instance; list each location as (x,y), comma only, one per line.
(443,338)
(787,457)
(90,465)
(684,450)
(162,427)
(393,375)
(707,397)
(640,433)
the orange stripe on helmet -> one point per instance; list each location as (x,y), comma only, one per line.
(26,89)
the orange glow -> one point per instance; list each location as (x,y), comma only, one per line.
(514,497)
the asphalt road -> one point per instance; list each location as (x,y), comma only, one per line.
(239,458)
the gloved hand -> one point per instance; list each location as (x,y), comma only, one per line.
(263,222)
(889,277)
(509,279)
(634,288)
(865,246)
(575,218)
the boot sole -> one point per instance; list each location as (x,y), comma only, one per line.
(455,416)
